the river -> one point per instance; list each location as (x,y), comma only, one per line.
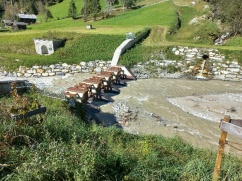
(156,97)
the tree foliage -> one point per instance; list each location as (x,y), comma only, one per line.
(111,3)
(229,12)
(72,11)
(129,3)
(90,7)
(10,8)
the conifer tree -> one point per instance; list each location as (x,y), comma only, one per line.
(72,11)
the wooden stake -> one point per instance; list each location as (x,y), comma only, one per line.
(222,142)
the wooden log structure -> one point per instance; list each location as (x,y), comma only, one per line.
(228,126)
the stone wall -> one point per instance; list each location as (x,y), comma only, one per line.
(59,69)
(48,46)
(217,67)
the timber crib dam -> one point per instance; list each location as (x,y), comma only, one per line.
(95,87)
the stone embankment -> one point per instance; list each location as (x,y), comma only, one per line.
(190,64)
(216,66)
(59,69)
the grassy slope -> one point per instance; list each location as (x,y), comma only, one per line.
(64,147)
(157,15)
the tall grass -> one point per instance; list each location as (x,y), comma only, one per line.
(65,147)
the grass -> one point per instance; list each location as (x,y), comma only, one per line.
(64,146)
(78,47)
(234,41)
(159,14)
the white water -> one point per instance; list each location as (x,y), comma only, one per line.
(202,69)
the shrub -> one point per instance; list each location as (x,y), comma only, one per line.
(207,33)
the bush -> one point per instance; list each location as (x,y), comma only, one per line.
(206,33)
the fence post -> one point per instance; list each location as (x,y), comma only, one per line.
(222,142)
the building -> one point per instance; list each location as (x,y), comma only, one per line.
(19,26)
(27,18)
(47,47)
(7,23)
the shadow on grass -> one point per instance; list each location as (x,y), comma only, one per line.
(4,30)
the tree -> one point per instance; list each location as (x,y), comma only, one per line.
(10,12)
(111,3)
(95,8)
(72,11)
(84,10)
(90,7)
(128,3)
(47,15)
(228,12)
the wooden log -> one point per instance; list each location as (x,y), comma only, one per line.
(232,128)
(29,113)
(222,142)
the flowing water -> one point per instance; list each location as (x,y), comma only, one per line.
(167,100)
(152,96)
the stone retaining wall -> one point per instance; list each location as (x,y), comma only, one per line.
(59,69)
(218,67)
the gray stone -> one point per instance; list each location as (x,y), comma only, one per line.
(27,75)
(52,66)
(82,63)
(73,68)
(230,76)
(37,75)
(85,70)
(75,71)
(39,70)
(45,67)
(91,64)
(234,66)
(36,67)
(52,74)
(65,65)
(219,77)
(224,72)
(97,70)
(19,75)
(173,49)
(56,70)
(234,70)
(78,67)
(45,74)
(31,71)
(65,71)
(5,73)
(60,73)
(216,59)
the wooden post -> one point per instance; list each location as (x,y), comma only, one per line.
(222,142)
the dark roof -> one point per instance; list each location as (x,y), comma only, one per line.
(27,16)
(19,23)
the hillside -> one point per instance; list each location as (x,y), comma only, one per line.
(160,16)
(62,144)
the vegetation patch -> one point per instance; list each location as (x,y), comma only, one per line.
(64,146)
(19,50)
